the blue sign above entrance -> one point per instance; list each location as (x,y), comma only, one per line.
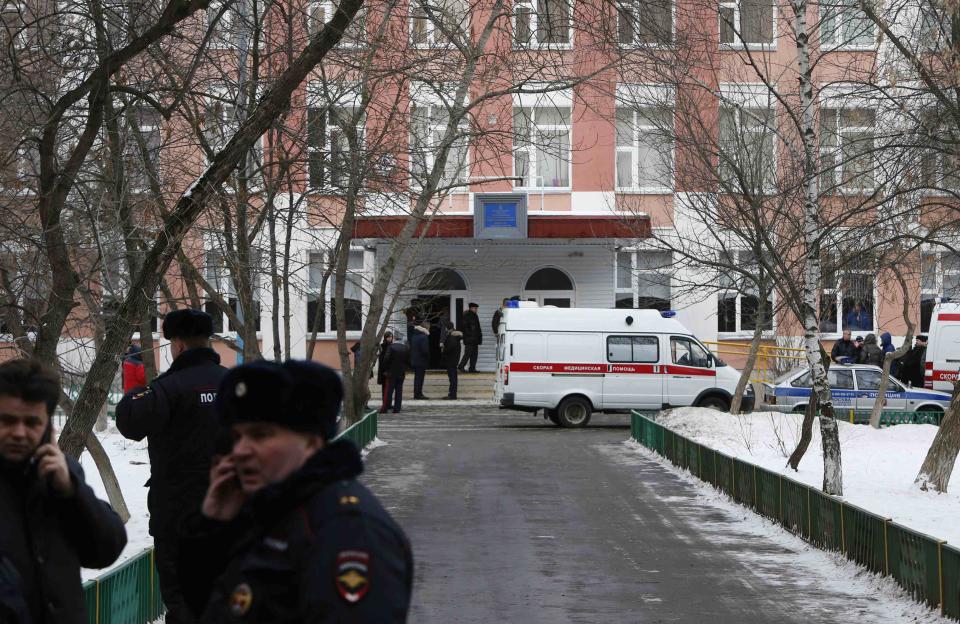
(500,215)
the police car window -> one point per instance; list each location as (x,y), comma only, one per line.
(868,380)
(633,349)
(803,381)
(688,353)
(840,379)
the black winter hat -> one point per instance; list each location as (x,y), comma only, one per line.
(187,323)
(299,395)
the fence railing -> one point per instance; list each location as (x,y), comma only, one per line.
(924,566)
(130,593)
(772,360)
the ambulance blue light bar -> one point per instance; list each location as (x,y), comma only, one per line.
(668,313)
(513,303)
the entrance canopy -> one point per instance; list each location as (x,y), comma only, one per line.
(538,226)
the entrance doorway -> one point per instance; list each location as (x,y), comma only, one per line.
(550,286)
(441,296)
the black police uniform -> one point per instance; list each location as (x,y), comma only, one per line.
(176,413)
(316,547)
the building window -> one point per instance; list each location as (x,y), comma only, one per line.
(843,24)
(939,277)
(541,149)
(331,131)
(738,303)
(218,276)
(143,125)
(846,149)
(438,25)
(940,164)
(746,22)
(847,300)
(353,293)
(643,280)
(319,13)
(20,169)
(644,22)
(221,121)
(645,148)
(428,128)
(541,23)
(748,155)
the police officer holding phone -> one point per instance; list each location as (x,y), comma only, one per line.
(287,534)
(175,413)
(51,523)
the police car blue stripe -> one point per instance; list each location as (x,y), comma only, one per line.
(913,396)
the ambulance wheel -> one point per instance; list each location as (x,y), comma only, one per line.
(574,412)
(715,402)
(552,415)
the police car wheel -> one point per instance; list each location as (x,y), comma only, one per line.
(716,402)
(552,415)
(574,412)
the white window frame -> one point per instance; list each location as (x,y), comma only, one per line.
(145,130)
(432,33)
(223,282)
(321,98)
(636,7)
(841,44)
(531,7)
(530,102)
(739,43)
(21,38)
(635,272)
(634,149)
(364,277)
(740,331)
(350,39)
(835,108)
(462,181)
(222,37)
(936,288)
(836,291)
(743,129)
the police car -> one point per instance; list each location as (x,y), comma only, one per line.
(852,386)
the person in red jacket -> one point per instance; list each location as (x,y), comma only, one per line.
(134,375)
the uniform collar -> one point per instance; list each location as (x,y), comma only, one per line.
(194,357)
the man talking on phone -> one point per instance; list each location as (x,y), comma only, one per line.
(287,534)
(51,523)
(175,414)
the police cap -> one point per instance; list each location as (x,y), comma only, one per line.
(187,323)
(299,395)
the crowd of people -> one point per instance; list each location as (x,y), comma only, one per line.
(255,510)
(908,368)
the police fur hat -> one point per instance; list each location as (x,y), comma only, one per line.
(299,395)
(187,323)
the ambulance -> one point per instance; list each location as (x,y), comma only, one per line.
(572,362)
(943,347)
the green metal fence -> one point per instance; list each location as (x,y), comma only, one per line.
(891,417)
(130,593)
(924,566)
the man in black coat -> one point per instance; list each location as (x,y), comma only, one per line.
(51,523)
(844,350)
(450,356)
(472,338)
(287,534)
(420,357)
(381,356)
(395,363)
(913,362)
(176,413)
(497,317)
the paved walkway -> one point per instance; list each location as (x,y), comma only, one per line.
(515,520)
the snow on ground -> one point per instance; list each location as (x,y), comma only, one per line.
(879,465)
(132,466)
(784,555)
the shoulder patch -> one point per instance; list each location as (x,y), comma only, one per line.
(140,395)
(352,575)
(241,599)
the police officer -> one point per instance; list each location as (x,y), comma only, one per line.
(287,534)
(176,413)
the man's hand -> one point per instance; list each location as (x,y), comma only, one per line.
(224,496)
(52,466)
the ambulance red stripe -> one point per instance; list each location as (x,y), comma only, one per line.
(943,316)
(624,369)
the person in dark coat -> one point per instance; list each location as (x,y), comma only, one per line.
(51,523)
(913,362)
(497,317)
(287,534)
(844,350)
(871,353)
(176,413)
(420,357)
(450,357)
(858,318)
(886,345)
(472,338)
(395,365)
(381,356)
(134,373)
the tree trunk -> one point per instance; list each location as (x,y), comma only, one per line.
(942,455)
(806,433)
(751,362)
(108,476)
(888,358)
